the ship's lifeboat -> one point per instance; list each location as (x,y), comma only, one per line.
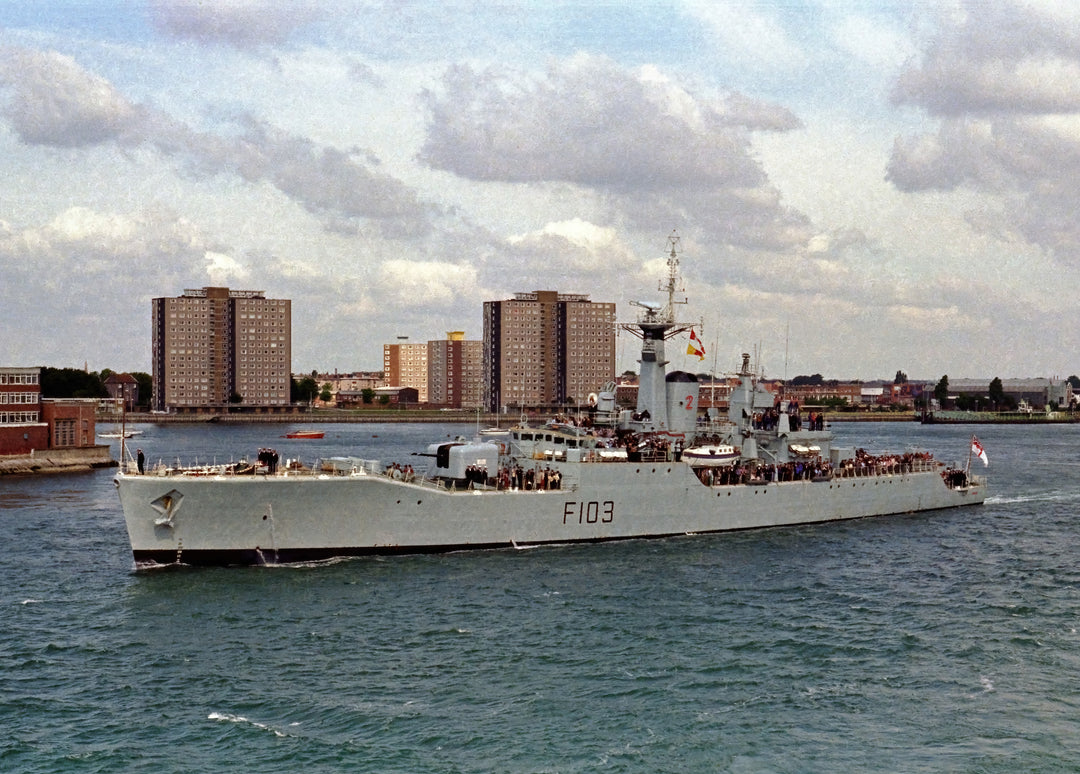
(711,454)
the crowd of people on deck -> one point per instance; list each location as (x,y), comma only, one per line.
(512,477)
(754,472)
(651,447)
(865,464)
(817,469)
(768,420)
(955,478)
(269,459)
(529,479)
(400,472)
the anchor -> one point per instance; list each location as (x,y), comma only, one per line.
(167,505)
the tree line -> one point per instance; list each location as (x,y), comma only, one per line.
(79,383)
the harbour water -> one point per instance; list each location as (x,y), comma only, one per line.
(943,641)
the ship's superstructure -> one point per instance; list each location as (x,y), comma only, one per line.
(657,470)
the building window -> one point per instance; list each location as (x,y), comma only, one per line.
(65,433)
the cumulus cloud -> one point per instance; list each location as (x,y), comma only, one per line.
(575,254)
(1004,80)
(323,180)
(239,23)
(223,269)
(591,123)
(80,242)
(658,152)
(430,283)
(56,102)
(1011,56)
(84,265)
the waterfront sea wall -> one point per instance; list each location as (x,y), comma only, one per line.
(411,415)
(535,418)
(57,461)
(422,415)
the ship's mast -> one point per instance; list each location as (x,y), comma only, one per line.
(673,284)
(655,320)
(656,324)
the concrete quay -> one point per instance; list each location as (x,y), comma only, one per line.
(57,461)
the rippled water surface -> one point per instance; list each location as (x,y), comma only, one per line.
(944,641)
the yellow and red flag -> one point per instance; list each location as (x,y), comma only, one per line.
(695,347)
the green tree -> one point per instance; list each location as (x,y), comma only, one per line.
(368,395)
(996,392)
(305,390)
(900,378)
(326,395)
(71,383)
(941,391)
(146,387)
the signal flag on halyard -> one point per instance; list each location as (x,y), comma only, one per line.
(695,347)
(978,451)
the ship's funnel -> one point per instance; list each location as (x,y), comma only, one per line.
(682,402)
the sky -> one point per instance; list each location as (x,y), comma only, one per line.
(858,188)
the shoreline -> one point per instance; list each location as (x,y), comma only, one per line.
(428,416)
(416,416)
(49,461)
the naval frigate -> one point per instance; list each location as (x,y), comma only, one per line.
(661,469)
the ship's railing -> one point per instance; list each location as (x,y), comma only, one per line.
(757,473)
(597,454)
(886,468)
(347,466)
(337,466)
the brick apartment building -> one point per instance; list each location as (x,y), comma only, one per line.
(546,348)
(215,347)
(456,372)
(406,365)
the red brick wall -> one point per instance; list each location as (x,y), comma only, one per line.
(13,442)
(61,413)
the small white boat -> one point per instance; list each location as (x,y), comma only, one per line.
(125,434)
(712,454)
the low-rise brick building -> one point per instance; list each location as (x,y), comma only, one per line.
(21,425)
(31,424)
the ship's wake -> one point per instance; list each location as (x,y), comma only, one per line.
(1055,496)
(226,717)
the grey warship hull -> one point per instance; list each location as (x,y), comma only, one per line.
(228,519)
